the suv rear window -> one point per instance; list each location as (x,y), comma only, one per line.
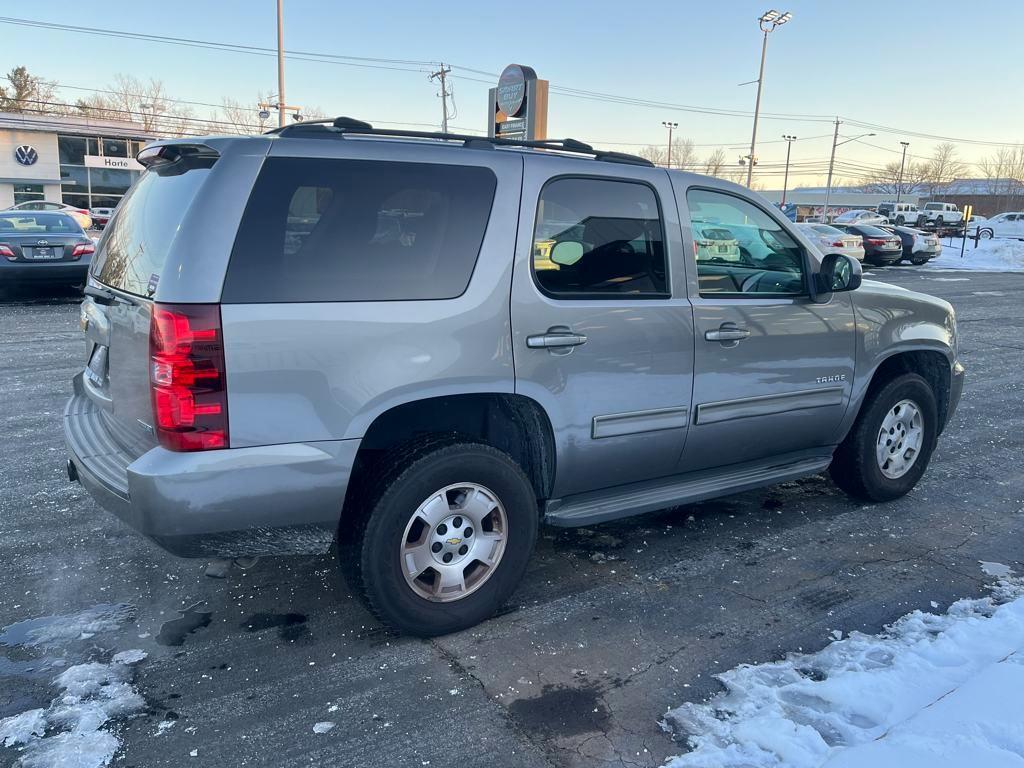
(136,242)
(359,230)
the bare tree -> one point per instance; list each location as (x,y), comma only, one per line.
(887,180)
(25,92)
(243,118)
(942,168)
(653,153)
(1004,171)
(715,163)
(145,102)
(684,155)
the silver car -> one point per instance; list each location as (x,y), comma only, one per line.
(422,348)
(831,240)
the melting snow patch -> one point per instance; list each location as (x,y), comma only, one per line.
(53,630)
(931,690)
(998,570)
(91,695)
(323,727)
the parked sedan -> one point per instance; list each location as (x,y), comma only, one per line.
(42,246)
(1003,225)
(860,217)
(918,246)
(100,216)
(881,248)
(78,214)
(832,240)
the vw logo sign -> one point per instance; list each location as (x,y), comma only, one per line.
(26,155)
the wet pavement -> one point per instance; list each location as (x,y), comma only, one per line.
(613,625)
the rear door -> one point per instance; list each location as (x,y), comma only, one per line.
(772,369)
(600,337)
(130,262)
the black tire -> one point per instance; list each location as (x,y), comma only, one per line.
(386,506)
(854,468)
(985,234)
(917,261)
(900,221)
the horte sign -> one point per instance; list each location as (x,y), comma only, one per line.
(113,163)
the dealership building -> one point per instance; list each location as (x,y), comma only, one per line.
(84,162)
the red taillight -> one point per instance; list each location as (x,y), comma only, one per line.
(7,252)
(876,241)
(81,249)
(187,377)
(837,244)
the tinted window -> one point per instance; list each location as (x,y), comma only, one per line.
(595,237)
(136,242)
(758,257)
(357,230)
(869,231)
(38,223)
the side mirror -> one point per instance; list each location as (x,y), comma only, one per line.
(567,253)
(838,273)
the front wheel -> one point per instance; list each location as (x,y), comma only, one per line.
(891,443)
(447,535)
(900,221)
(985,234)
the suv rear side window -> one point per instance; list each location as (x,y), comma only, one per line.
(599,238)
(137,240)
(359,230)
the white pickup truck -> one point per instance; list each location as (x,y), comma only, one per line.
(942,214)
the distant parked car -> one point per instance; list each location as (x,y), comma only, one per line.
(100,216)
(860,216)
(832,240)
(715,243)
(1003,225)
(42,247)
(78,214)
(899,213)
(918,246)
(942,213)
(881,248)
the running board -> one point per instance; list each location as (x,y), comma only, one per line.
(613,503)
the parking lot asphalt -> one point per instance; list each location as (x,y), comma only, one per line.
(613,625)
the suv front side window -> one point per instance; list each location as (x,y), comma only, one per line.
(763,258)
(598,238)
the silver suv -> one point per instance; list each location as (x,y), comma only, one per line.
(419,347)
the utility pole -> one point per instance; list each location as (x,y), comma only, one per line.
(831,162)
(670,126)
(903,160)
(280,65)
(441,74)
(769,21)
(785,179)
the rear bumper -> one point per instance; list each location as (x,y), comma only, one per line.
(43,272)
(266,500)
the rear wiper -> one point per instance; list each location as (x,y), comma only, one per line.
(100,295)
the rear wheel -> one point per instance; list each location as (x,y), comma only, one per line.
(985,234)
(891,442)
(918,261)
(445,537)
(900,221)
(939,220)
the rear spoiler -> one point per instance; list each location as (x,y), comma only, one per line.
(161,155)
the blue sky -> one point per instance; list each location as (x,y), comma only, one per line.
(940,67)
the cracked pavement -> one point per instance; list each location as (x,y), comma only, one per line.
(613,625)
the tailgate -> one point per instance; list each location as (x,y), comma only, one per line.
(125,277)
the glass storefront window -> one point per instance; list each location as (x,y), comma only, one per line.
(79,201)
(108,181)
(115,148)
(93,145)
(74,178)
(105,201)
(71,150)
(23,193)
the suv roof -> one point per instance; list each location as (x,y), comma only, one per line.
(340,128)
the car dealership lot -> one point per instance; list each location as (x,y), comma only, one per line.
(613,625)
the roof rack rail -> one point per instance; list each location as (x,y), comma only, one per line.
(340,126)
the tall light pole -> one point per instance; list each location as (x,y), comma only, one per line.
(785,179)
(899,182)
(670,126)
(769,21)
(831,162)
(280,65)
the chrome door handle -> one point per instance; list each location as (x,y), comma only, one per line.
(553,339)
(727,333)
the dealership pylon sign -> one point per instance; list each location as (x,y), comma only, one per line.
(518,105)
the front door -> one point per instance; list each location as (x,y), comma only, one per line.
(598,338)
(772,370)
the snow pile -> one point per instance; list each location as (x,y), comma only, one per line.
(55,630)
(996,255)
(931,690)
(69,733)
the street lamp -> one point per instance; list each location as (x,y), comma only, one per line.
(899,182)
(785,180)
(670,126)
(769,21)
(831,162)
